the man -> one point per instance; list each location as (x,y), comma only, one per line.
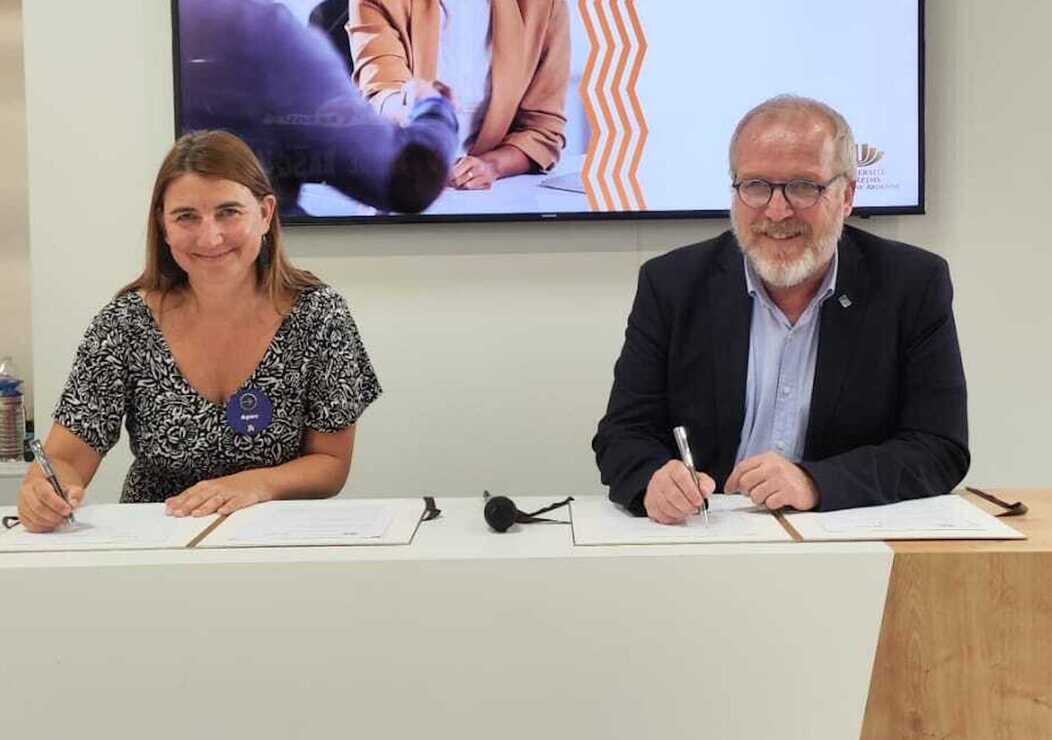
(251,68)
(822,371)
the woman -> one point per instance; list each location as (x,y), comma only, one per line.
(507,62)
(240,377)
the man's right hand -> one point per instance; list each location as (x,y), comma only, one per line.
(417,89)
(671,495)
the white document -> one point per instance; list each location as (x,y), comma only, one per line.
(326,522)
(938,517)
(111,527)
(732,518)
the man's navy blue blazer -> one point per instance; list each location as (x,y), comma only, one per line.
(888,417)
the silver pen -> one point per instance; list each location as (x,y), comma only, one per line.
(49,472)
(680,433)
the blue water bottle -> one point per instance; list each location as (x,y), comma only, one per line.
(12,413)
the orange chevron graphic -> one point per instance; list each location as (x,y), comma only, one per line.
(586,98)
(604,106)
(637,107)
(615,114)
(622,113)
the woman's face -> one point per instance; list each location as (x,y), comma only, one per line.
(214,227)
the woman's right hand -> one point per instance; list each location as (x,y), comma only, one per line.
(40,508)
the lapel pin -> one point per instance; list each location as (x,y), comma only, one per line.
(845,301)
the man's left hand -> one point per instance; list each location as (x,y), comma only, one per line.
(771,480)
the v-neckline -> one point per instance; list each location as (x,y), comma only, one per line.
(246,383)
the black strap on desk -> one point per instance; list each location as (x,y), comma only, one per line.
(1016,509)
(10,522)
(552,507)
(431,511)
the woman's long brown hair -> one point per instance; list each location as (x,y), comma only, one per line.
(224,156)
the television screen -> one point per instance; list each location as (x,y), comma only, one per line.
(567,109)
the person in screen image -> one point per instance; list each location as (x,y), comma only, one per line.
(507,62)
(240,378)
(249,67)
(815,365)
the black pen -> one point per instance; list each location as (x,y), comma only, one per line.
(680,433)
(49,472)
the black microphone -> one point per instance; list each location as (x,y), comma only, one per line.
(501,512)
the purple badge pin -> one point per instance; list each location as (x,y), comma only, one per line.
(249,412)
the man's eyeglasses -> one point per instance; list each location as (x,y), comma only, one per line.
(800,194)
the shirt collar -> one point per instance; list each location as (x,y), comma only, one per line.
(754,285)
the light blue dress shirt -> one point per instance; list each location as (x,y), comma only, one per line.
(781,371)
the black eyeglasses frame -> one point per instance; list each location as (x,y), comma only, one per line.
(783,186)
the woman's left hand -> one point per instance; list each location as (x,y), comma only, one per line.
(217,496)
(473,173)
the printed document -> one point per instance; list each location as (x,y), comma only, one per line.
(938,517)
(732,518)
(111,527)
(327,522)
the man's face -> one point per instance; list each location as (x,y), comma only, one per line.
(785,245)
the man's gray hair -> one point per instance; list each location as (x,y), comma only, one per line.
(846,158)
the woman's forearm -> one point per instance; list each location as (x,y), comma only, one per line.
(314,475)
(67,474)
(507,161)
(74,461)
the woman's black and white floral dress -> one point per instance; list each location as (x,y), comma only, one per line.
(315,372)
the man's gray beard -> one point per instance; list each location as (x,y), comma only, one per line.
(780,274)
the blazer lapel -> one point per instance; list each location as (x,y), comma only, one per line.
(838,337)
(425,24)
(731,309)
(506,80)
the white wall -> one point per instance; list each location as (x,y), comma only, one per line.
(495,343)
(14,225)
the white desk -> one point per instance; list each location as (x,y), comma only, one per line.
(11,474)
(463,634)
(519,194)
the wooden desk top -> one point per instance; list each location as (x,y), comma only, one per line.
(964,648)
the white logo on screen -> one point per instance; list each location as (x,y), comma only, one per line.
(868,155)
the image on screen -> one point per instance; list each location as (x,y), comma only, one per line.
(615,108)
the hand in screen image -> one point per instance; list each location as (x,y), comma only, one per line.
(508,65)
(250,67)
(473,173)
(413,92)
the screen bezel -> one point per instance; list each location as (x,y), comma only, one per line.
(579,216)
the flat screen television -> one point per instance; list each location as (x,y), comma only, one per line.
(652,93)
